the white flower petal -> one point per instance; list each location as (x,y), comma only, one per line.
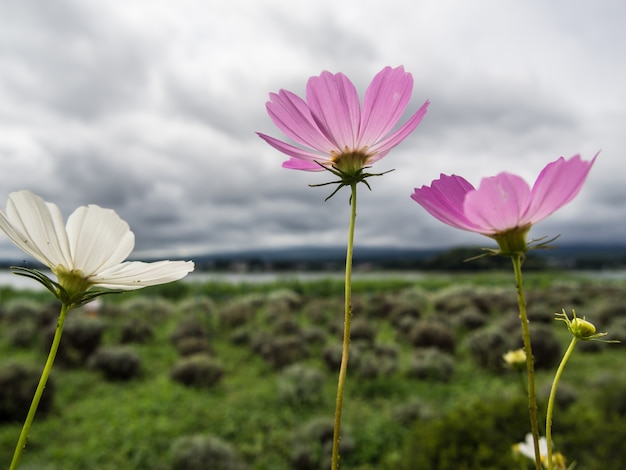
(37,228)
(136,274)
(98,239)
(95,241)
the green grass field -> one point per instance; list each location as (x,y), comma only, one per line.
(244,375)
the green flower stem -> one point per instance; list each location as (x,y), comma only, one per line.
(21,443)
(346,331)
(530,366)
(555,384)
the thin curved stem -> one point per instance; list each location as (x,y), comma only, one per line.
(346,332)
(555,384)
(530,366)
(21,443)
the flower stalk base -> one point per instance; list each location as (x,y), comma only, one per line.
(530,366)
(343,368)
(21,443)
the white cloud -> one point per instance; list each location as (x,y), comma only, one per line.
(151,108)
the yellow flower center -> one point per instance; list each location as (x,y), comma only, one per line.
(350,161)
(512,241)
(74,281)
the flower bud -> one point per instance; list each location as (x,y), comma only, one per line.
(515,359)
(582,329)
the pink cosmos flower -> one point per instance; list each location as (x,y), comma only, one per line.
(334,129)
(503,203)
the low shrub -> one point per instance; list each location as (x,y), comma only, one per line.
(240,310)
(136,330)
(566,394)
(19,309)
(82,335)
(408,413)
(117,363)
(540,313)
(190,346)
(470,319)
(300,384)
(280,351)
(321,311)
(605,312)
(431,364)
(286,325)
(199,305)
(487,346)
(362,330)
(617,331)
(312,445)
(147,307)
(433,334)
(204,453)
(454,299)
(494,301)
(22,334)
(547,349)
(314,335)
(283,301)
(331,354)
(190,327)
(18,383)
(402,315)
(378,306)
(200,371)
(473,436)
(368,365)
(611,396)
(373,362)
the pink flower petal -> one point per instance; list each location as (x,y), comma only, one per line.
(498,203)
(295,152)
(385,101)
(444,200)
(293,117)
(297,164)
(332,123)
(335,106)
(557,184)
(383,147)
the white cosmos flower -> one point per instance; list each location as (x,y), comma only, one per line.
(527,448)
(87,252)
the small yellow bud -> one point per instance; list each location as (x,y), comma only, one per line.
(559,462)
(582,329)
(515,358)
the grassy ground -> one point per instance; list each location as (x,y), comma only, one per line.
(272,406)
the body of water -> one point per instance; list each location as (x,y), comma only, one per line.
(7,278)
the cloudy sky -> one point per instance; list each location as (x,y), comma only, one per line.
(150,107)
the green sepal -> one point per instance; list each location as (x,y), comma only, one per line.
(347,179)
(72,301)
(581,328)
(534,244)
